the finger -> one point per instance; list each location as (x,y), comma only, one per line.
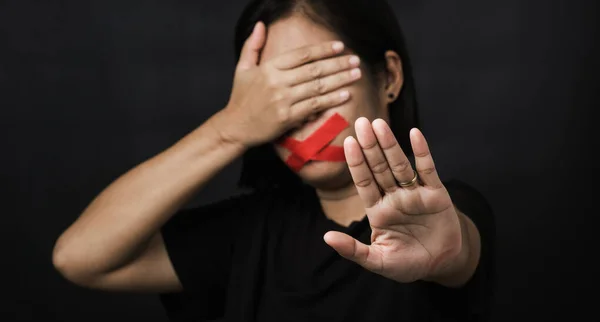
(321,69)
(306,109)
(374,155)
(252,47)
(350,248)
(399,164)
(324,85)
(424,161)
(361,174)
(304,55)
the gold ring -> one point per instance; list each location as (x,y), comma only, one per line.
(411,182)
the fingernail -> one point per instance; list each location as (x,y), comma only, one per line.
(338,46)
(355,73)
(344,94)
(354,60)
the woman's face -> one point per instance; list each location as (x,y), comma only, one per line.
(365,99)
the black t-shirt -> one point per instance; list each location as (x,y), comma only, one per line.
(261,257)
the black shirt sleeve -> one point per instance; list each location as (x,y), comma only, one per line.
(199,242)
(473,301)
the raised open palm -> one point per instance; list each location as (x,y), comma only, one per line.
(415,226)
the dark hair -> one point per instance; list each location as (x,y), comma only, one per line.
(369,28)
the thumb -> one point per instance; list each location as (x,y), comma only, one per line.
(252,47)
(354,250)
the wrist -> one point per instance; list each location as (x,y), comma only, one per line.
(225,132)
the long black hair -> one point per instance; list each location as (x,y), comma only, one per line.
(369,28)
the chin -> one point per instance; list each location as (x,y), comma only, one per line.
(325,175)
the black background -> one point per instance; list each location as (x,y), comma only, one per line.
(89,89)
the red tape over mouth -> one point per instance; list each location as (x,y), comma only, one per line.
(315,146)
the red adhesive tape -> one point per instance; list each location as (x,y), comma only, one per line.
(315,147)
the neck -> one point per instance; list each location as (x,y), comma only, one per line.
(342,205)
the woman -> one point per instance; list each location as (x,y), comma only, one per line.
(338,225)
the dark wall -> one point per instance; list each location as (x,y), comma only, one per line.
(91,88)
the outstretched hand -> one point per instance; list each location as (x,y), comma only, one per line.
(416,231)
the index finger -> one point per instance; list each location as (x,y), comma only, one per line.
(307,54)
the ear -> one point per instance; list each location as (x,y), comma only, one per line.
(393,78)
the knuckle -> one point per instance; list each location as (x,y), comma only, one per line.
(278,96)
(363,183)
(379,167)
(315,71)
(273,82)
(427,170)
(269,80)
(422,154)
(314,103)
(304,55)
(400,167)
(283,115)
(318,86)
(297,79)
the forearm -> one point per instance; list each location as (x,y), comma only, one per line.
(462,268)
(121,219)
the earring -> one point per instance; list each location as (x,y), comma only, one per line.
(391,96)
